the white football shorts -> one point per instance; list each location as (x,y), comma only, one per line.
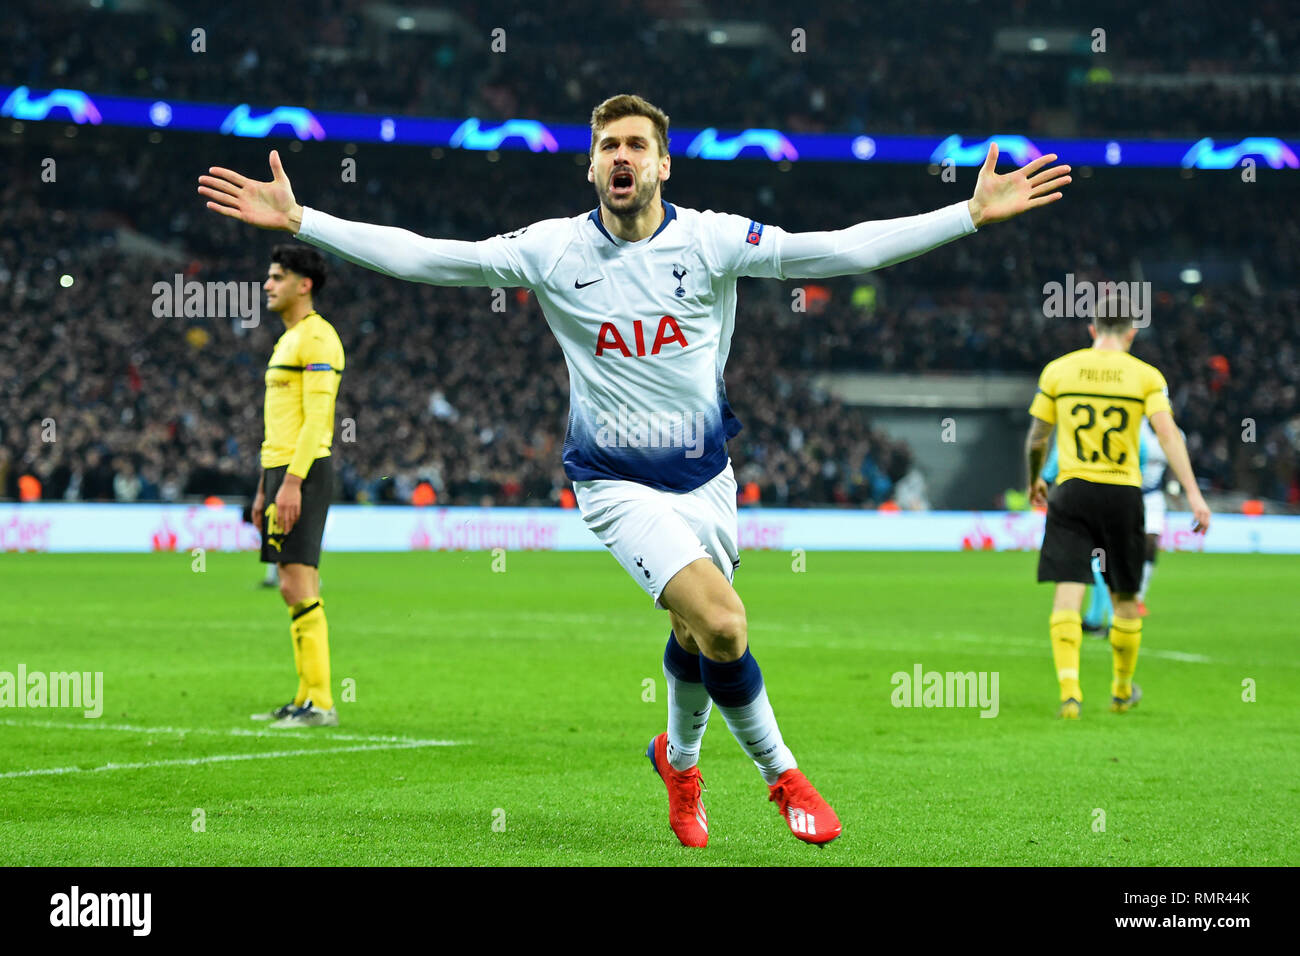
(1154,501)
(654,534)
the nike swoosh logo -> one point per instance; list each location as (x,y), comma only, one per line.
(750,743)
(583,285)
(701,713)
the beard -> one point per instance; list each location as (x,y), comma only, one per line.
(628,206)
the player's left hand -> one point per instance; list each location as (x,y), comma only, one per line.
(998,198)
(288,505)
(1038,493)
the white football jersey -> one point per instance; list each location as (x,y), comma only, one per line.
(646,329)
(645,326)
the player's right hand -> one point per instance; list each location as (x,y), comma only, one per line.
(1038,493)
(1201,512)
(259,505)
(267,205)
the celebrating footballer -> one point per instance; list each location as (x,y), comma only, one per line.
(641,296)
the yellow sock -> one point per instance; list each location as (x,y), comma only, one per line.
(299,698)
(1125,639)
(1067,636)
(311,636)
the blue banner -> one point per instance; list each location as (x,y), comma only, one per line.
(472,133)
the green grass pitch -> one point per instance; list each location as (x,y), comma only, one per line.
(538,674)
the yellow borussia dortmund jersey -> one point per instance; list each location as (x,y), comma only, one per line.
(1096,399)
(302,382)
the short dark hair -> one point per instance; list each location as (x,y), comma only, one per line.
(1112,315)
(629,104)
(304,260)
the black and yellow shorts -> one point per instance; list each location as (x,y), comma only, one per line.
(1087,517)
(302,544)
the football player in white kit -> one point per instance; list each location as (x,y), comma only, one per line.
(641,295)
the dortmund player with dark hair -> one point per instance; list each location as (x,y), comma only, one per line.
(1096,398)
(297,483)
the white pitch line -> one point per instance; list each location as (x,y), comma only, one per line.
(94,724)
(1005,648)
(1178,656)
(221,758)
(1036,647)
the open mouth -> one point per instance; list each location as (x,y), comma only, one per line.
(622,183)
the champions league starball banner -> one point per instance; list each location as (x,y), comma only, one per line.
(81,107)
(142,528)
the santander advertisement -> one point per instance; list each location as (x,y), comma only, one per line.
(109,528)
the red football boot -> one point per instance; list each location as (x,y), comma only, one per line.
(808,816)
(685,808)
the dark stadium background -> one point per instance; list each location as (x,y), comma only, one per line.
(496,675)
(447,392)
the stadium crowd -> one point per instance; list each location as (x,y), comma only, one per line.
(884,67)
(104,400)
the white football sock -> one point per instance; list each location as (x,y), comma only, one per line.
(754,727)
(688,717)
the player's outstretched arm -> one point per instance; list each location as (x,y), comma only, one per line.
(1001,197)
(1171,440)
(395,252)
(875,245)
